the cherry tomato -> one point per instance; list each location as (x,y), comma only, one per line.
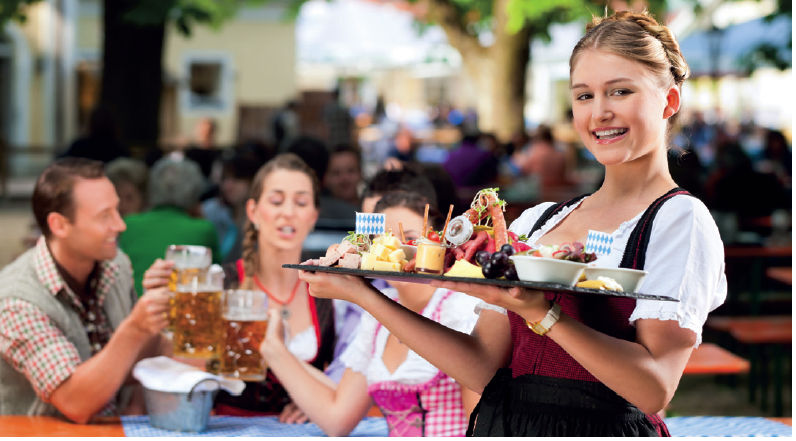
(433,236)
(412,242)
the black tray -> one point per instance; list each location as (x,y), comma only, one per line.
(427,278)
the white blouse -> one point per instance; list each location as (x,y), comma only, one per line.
(684,260)
(359,356)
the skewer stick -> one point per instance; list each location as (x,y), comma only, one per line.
(425,222)
(401,229)
(442,238)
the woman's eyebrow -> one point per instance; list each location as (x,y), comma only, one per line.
(616,80)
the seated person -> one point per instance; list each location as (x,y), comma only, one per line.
(71,325)
(130,177)
(344,174)
(416,397)
(281,210)
(174,189)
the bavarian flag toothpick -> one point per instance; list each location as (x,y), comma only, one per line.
(370,223)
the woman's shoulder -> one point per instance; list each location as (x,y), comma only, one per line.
(684,207)
(526,221)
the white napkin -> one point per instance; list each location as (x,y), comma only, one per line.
(167,375)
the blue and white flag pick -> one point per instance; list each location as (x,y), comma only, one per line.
(599,243)
(370,223)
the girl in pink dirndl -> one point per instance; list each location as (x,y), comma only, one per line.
(415,397)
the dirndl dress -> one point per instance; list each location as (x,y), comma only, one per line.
(544,391)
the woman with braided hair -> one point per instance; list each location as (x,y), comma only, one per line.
(281,211)
(548,363)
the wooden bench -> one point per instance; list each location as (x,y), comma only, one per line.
(781,274)
(762,333)
(710,359)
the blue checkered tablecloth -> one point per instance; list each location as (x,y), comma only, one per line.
(250,426)
(726,426)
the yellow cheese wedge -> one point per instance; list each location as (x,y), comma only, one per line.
(387,266)
(397,256)
(391,242)
(368,261)
(463,268)
(381,252)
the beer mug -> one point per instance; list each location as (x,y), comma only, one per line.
(197,306)
(244,319)
(190,262)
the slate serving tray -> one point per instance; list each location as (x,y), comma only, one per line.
(427,278)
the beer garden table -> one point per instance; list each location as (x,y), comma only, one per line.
(268,426)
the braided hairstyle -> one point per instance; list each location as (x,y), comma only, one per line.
(638,37)
(284,161)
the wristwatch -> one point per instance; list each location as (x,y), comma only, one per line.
(543,327)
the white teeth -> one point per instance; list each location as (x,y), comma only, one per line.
(287,230)
(609,132)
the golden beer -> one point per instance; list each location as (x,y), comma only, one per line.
(185,277)
(240,354)
(197,325)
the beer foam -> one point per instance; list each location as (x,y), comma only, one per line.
(238,315)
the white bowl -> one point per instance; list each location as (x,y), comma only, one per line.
(548,270)
(630,279)
(409,250)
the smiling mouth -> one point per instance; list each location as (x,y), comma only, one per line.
(287,230)
(609,134)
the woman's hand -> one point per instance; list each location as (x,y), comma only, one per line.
(274,340)
(334,286)
(528,303)
(158,274)
(291,414)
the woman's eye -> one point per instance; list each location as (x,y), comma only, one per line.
(275,201)
(583,96)
(622,92)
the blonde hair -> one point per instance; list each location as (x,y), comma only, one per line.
(638,37)
(250,254)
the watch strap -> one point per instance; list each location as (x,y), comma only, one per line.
(543,327)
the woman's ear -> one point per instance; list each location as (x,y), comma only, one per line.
(672,102)
(251,204)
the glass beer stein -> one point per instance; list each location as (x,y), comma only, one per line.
(197,311)
(190,262)
(244,321)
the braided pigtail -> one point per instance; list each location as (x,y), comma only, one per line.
(250,255)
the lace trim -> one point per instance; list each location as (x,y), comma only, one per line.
(669,315)
(552,222)
(484,305)
(356,361)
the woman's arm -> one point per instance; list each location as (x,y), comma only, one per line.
(336,411)
(469,400)
(645,372)
(472,359)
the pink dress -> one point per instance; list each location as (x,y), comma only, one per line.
(432,407)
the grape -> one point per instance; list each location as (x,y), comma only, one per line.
(507,249)
(510,273)
(490,271)
(499,260)
(482,257)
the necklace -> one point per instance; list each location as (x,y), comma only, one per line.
(285,312)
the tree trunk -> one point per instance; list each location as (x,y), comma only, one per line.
(132,72)
(498,71)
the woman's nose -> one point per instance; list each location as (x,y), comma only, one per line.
(601,110)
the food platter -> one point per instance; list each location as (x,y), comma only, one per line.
(427,278)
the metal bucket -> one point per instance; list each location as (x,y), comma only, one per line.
(179,411)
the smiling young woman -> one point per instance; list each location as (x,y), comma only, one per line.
(605,365)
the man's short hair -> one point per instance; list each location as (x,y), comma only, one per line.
(406,179)
(54,188)
(344,147)
(175,183)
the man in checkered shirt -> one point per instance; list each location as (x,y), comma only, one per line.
(70,326)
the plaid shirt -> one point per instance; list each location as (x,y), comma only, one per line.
(33,345)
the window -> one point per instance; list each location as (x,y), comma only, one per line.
(208,83)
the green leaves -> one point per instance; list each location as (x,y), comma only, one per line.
(14,10)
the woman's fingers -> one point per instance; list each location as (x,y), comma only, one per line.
(291,414)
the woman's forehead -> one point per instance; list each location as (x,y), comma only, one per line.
(597,66)
(287,181)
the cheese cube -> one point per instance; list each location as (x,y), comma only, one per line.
(387,266)
(391,242)
(381,252)
(368,260)
(397,256)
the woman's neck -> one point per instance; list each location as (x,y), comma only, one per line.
(415,297)
(277,280)
(639,180)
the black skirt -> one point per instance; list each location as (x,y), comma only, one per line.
(531,405)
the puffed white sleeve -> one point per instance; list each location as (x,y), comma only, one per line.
(358,354)
(458,312)
(521,225)
(684,260)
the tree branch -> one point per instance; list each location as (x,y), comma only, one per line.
(443,13)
